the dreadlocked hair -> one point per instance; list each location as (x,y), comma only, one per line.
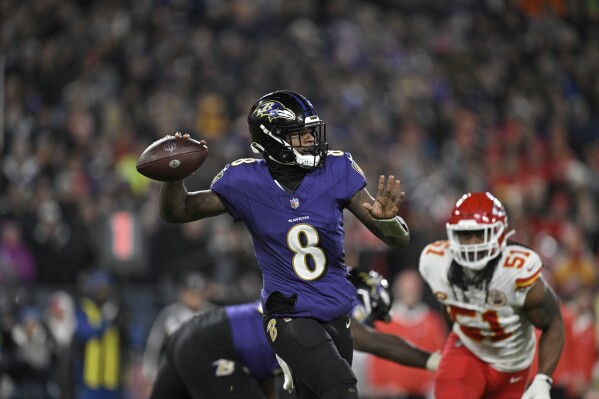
(480,280)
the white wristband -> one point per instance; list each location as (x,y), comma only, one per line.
(540,388)
(394,227)
(432,363)
(545,377)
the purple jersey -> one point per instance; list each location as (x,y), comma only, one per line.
(249,339)
(298,237)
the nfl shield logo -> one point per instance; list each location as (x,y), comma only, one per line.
(169,146)
(294,203)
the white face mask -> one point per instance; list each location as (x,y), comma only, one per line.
(475,256)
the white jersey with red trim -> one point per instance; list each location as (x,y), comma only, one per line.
(490,322)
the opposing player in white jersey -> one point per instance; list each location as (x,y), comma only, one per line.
(495,295)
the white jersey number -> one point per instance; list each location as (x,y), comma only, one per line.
(223,367)
(303,239)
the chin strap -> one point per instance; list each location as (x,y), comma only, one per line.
(509,234)
(256,148)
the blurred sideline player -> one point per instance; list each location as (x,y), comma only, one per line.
(101,338)
(292,203)
(223,353)
(191,300)
(495,294)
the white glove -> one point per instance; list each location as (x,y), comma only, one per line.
(432,363)
(540,387)
(288,383)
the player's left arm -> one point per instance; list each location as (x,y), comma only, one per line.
(379,214)
(542,308)
(392,347)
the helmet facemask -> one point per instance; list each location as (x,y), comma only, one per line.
(283,145)
(475,256)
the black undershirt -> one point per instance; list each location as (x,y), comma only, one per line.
(289,176)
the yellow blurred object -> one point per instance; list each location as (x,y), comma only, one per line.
(212,120)
(125,167)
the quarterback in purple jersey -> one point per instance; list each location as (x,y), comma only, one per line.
(292,203)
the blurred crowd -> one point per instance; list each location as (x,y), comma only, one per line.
(450,96)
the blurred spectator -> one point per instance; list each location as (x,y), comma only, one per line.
(101,339)
(19,168)
(212,117)
(191,300)
(51,237)
(59,318)
(574,266)
(32,358)
(17,264)
(413,320)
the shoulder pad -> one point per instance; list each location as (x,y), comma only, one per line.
(526,264)
(434,256)
(435,249)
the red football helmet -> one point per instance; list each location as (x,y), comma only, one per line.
(477,213)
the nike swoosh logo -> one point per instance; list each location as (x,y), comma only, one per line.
(348,324)
(515,379)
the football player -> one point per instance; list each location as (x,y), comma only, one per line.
(191,295)
(224,353)
(292,203)
(495,295)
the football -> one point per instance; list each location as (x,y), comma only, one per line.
(172,158)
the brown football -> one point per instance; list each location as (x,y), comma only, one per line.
(172,158)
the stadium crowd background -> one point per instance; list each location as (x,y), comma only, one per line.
(450,96)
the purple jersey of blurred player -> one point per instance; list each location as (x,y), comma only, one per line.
(298,237)
(249,340)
